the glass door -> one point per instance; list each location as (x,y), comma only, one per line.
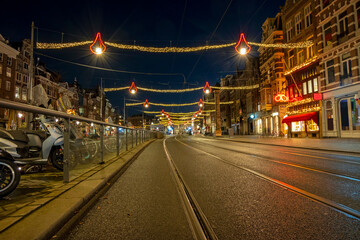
(349,111)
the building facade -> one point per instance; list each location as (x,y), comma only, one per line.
(338,34)
(273,83)
(301,69)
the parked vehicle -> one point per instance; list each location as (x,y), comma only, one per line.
(9,171)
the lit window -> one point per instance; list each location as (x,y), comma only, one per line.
(315,81)
(24,94)
(17,92)
(8,72)
(304,88)
(310,86)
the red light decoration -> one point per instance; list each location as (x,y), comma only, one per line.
(281,98)
(163,112)
(207,89)
(201,103)
(146,103)
(200,112)
(318,96)
(132,88)
(100,46)
(242,47)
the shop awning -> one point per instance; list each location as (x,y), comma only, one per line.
(301,117)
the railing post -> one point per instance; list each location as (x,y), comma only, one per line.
(66,157)
(126,138)
(136,136)
(132,138)
(101,144)
(117,141)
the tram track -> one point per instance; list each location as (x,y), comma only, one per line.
(335,205)
(271,159)
(198,222)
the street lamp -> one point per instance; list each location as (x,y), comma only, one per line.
(207,89)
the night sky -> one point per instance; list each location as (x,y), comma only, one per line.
(149,23)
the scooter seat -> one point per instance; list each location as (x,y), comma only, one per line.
(42,135)
(17,135)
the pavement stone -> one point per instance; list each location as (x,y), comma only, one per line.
(44,205)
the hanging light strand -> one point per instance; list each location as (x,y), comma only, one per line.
(175,104)
(40,45)
(238,88)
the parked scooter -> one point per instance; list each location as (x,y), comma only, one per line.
(9,171)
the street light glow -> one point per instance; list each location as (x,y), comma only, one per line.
(242,51)
(98,50)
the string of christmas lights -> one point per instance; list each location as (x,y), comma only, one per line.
(174,104)
(237,88)
(181,90)
(155,90)
(284,45)
(40,45)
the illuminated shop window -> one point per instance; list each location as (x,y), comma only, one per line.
(355,114)
(298,126)
(312,126)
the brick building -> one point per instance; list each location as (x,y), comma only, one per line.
(338,35)
(301,69)
(273,82)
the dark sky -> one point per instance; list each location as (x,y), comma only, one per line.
(149,23)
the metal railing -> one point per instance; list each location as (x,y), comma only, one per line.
(88,149)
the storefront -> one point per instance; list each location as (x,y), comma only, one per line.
(303,125)
(303,118)
(341,112)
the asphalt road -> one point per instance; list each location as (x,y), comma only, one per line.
(244,191)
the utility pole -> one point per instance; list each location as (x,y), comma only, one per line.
(31,75)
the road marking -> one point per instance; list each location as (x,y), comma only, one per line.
(335,205)
(199,224)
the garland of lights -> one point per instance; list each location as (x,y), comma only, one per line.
(174,104)
(40,45)
(132,87)
(155,90)
(237,88)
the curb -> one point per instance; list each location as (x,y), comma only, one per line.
(281,145)
(50,218)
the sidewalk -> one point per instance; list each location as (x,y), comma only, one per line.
(348,145)
(41,218)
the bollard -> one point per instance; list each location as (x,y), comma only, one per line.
(126,138)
